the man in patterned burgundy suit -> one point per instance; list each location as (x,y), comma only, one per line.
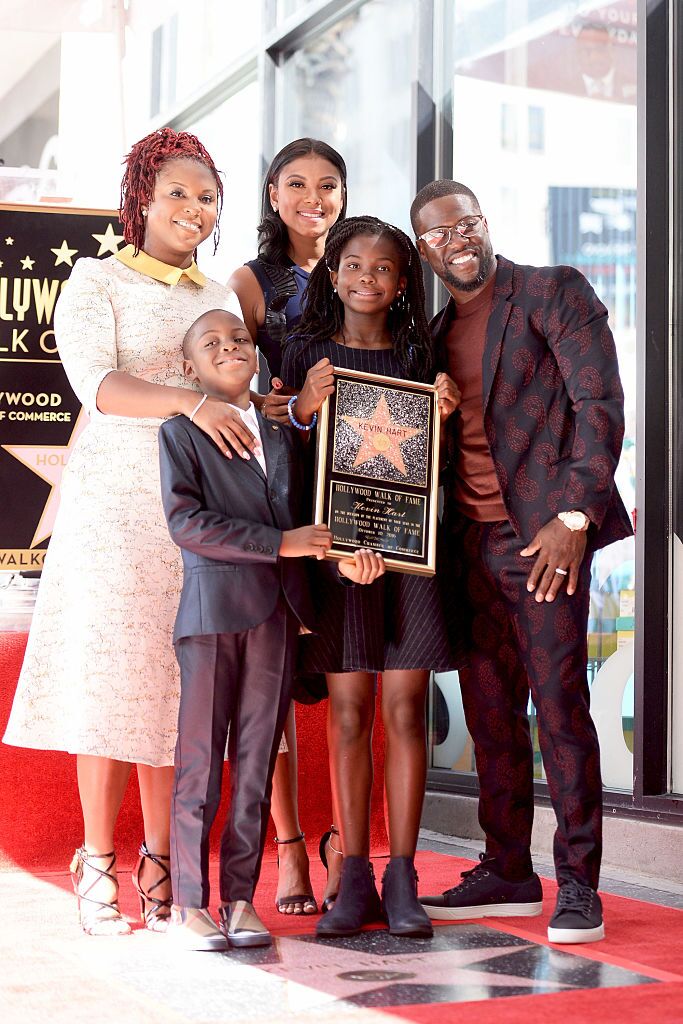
(530,496)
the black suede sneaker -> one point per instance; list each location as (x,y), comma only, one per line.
(578,915)
(483,893)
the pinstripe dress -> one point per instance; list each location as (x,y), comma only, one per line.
(398,622)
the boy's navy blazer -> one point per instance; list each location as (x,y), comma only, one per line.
(228,518)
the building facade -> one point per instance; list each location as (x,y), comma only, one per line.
(564,116)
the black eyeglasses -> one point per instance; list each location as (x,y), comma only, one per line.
(436,238)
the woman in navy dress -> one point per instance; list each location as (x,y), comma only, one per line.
(304,194)
(365,311)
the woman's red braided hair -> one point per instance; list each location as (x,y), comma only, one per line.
(143,163)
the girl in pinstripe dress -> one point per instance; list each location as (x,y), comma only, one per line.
(365,311)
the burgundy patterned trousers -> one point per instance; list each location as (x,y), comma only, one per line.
(521,646)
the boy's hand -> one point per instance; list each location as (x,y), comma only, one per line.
(226,427)
(448,394)
(365,566)
(274,405)
(307,540)
(318,385)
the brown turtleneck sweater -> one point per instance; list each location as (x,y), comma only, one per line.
(475,487)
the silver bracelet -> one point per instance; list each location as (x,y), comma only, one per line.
(197,407)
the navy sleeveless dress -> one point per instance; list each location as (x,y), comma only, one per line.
(398,622)
(270,341)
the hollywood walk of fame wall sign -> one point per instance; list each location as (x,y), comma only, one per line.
(377,464)
(40,416)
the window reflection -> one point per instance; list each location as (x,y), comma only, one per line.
(346,89)
(544,122)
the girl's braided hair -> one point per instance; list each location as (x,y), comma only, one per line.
(143,164)
(323,314)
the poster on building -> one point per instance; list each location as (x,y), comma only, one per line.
(40,416)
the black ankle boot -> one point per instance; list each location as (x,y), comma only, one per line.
(357,902)
(401,908)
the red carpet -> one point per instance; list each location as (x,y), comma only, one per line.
(40,825)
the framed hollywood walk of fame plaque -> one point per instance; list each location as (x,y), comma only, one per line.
(377,468)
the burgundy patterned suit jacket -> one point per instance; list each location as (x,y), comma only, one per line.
(553,401)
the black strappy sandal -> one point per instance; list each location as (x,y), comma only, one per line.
(328,902)
(158,915)
(97,917)
(302,900)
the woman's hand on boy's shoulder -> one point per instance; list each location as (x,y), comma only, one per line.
(318,385)
(365,567)
(226,427)
(448,394)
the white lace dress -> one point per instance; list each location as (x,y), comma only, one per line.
(100,675)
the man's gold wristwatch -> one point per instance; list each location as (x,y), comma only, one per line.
(575,521)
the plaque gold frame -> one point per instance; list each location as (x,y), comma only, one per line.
(325,476)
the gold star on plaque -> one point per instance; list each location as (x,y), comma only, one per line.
(9,241)
(64,254)
(27,263)
(109,242)
(381,435)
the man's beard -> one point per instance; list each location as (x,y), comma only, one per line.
(485,261)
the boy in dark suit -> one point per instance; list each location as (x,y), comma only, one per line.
(244,597)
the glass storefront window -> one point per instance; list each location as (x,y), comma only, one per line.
(240,166)
(544,124)
(161,69)
(346,89)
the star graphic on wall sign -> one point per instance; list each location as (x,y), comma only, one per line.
(9,241)
(109,242)
(381,435)
(47,462)
(27,263)
(64,254)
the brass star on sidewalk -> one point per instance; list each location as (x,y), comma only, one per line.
(381,435)
(27,263)
(109,242)
(64,254)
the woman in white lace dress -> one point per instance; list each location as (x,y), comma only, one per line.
(100,678)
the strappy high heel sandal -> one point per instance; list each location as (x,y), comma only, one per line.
(304,902)
(97,917)
(155,912)
(326,839)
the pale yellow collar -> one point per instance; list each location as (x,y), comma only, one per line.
(150,267)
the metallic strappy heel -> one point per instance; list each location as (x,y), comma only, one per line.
(326,840)
(97,917)
(155,912)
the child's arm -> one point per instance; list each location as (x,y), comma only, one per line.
(196,528)
(365,567)
(318,385)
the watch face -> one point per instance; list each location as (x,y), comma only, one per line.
(574,520)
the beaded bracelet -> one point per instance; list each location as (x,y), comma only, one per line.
(294,421)
(197,407)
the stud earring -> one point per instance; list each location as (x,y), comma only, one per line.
(274,207)
(144,212)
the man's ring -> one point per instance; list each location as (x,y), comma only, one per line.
(562,572)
